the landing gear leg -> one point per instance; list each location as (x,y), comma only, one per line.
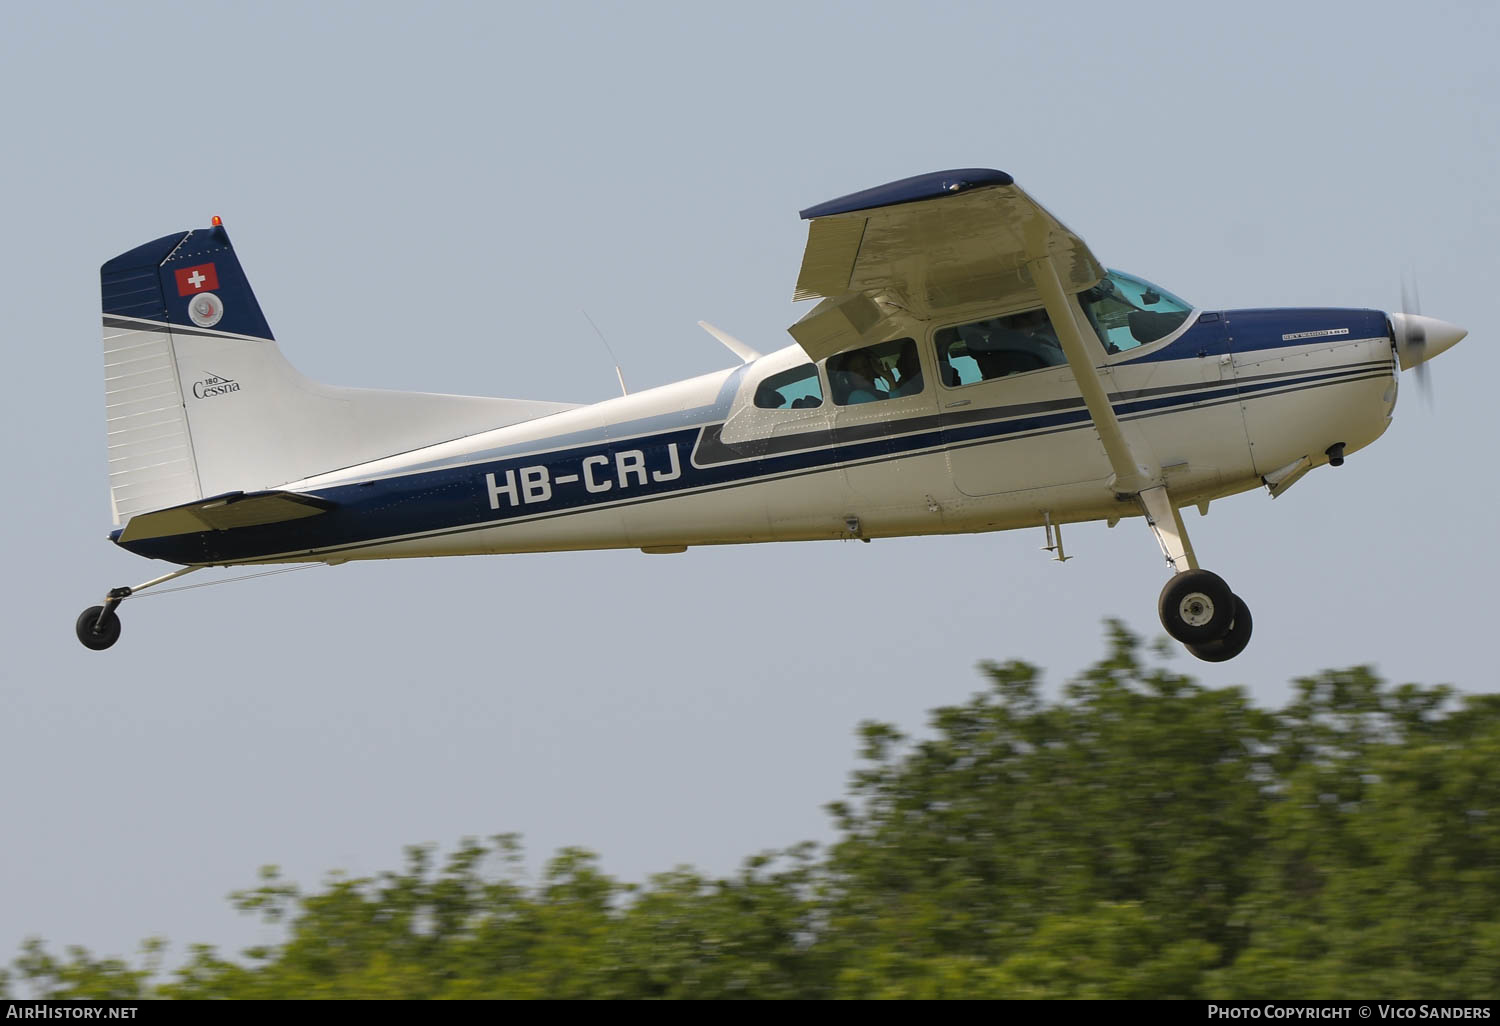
(1196,606)
(98,627)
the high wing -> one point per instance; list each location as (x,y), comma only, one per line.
(926,244)
(946,239)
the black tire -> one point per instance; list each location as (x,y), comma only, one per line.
(95,635)
(1231,644)
(1196,606)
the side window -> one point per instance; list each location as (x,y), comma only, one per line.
(997,347)
(885,371)
(795,389)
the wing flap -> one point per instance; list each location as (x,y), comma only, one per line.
(224,513)
(836,324)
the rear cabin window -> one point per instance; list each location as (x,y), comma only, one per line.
(795,389)
(889,370)
(997,347)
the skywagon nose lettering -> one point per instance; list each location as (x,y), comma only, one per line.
(597,473)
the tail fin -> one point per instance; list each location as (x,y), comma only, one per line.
(200,400)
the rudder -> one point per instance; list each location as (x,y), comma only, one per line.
(151,461)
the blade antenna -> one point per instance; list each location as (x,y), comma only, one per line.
(618,373)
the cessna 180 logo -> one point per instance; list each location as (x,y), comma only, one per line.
(214,385)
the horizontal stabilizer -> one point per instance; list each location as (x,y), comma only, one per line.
(224,513)
(734,345)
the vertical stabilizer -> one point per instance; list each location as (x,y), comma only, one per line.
(202,402)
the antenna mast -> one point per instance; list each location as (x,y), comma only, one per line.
(618,373)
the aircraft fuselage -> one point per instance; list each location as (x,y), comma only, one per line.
(1221,404)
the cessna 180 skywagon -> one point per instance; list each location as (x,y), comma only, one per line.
(970,367)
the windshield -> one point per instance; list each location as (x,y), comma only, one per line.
(1127,311)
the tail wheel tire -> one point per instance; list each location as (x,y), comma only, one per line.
(1231,644)
(95,635)
(1196,606)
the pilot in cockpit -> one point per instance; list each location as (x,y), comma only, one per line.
(1013,345)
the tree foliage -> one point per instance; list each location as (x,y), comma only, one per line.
(1141,836)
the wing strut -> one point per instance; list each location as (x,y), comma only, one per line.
(1131,475)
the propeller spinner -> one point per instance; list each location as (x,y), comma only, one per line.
(1417,338)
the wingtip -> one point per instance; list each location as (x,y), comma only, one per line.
(932,185)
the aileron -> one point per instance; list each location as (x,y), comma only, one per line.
(828,263)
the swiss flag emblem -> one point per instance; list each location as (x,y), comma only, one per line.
(202,278)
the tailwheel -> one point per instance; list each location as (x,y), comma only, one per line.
(98,627)
(1231,644)
(1196,607)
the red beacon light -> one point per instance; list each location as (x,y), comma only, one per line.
(217,222)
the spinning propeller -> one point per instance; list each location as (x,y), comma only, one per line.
(1418,339)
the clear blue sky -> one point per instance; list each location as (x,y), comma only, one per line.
(427,198)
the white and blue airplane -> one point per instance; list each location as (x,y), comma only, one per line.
(971,366)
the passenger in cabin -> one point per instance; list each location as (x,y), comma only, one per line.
(857,378)
(908,373)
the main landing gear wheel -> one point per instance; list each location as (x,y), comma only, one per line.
(1231,644)
(1197,606)
(98,628)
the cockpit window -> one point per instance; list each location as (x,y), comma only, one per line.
(1127,311)
(885,371)
(795,389)
(997,347)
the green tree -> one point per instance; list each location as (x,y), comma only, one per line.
(1141,788)
(86,978)
(1380,871)
(1140,836)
